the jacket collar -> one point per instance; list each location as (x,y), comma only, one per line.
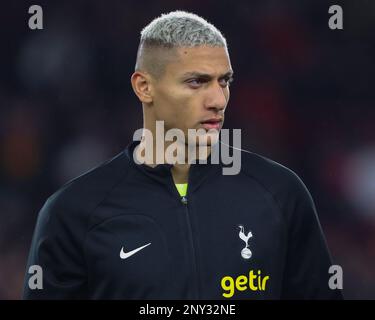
(198,172)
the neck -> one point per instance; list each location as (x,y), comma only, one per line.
(180,173)
(155,151)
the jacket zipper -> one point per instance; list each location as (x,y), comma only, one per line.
(184,201)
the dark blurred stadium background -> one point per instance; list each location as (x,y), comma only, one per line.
(303,95)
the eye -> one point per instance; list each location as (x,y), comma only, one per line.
(224,82)
(195,83)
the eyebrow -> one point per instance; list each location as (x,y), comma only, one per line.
(196,74)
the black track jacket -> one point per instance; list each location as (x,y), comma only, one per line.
(122,231)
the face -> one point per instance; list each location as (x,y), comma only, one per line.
(193,92)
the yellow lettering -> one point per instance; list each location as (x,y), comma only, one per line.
(241,282)
(254,282)
(229,287)
(264,282)
(252,277)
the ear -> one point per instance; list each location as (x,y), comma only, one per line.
(142,87)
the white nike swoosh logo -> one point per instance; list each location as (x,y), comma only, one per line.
(125,255)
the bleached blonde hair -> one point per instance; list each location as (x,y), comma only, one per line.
(170,31)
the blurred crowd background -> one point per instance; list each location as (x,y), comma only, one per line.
(303,95)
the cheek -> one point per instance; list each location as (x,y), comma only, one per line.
(177,105)
(165,105)
(174,110)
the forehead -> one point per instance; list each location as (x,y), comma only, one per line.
(203,59)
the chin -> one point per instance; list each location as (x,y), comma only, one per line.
(207,140)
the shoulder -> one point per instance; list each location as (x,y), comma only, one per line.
(281,182)
(79,197)
(268,171)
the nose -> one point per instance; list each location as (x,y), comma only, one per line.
(216,98)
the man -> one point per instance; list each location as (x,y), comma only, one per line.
(156,230)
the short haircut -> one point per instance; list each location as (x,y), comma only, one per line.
(170,31)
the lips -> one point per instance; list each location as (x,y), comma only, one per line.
(213,123)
